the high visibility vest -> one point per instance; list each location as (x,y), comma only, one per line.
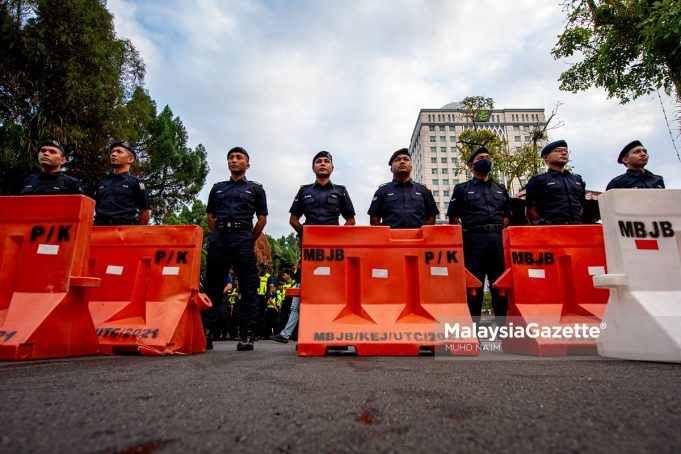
(263,284)
(232,299)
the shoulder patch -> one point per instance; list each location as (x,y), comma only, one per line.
(380,186)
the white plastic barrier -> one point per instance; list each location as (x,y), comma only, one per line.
(642,231)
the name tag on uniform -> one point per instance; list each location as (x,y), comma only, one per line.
(248,192)
(549,184)
(417,193)
(125,186)
(471,192)
(307,196)
(391,193)
(499,192)
(335,196)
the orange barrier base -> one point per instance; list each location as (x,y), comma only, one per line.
(149,301)
(39,326)
(411,335)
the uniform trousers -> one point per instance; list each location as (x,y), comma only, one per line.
(232,248)
(484,256)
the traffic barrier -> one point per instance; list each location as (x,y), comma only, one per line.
(548,281)
(643,248)
(44,285)
(149,300)
(383,291)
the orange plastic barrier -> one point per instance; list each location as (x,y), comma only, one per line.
(44,287)
(549,283)
(383,291)
(149,299)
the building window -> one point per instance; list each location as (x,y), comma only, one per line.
(436,193)
(432,138)
(443,160)
(445,182)
(455,160)
(433,160)
(445,171)
(429,118)
(441,128)
(443,149)
(516,128)
(527,138)
(445,193)
(516,138)
(452,138)
(443,138)
(433,171)
(431,128)
(432,149)
(435,182)
(453,149)
(451,128)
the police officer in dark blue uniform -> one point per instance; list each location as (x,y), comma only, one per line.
(321,202)
(121,197)
(51,180)
(230,210)
(634,156)
(483,208)
(556,197)
(402,203)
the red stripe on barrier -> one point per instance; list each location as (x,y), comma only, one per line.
(647,244)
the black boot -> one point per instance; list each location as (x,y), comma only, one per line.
(209,339)
(246,341)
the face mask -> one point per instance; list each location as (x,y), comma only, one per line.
(482,166)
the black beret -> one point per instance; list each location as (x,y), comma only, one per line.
(553,145)
(322,154)
(627,147)
(482,149)
(399,152)
(238,150)
(51,143)
(126,145)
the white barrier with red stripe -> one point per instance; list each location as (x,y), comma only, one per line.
(642,231)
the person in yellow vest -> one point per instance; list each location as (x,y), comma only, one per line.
(265,291)
(285,307)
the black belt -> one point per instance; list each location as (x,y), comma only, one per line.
(233,225)
(116,222)
(484,228)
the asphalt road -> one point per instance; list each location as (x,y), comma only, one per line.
(270,400)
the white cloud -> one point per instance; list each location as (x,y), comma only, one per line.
(286,79)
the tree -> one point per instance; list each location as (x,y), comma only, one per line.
(477,109)
(629,47)
(62,72)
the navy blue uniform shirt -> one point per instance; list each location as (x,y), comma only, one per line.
(478,202)
(633,179)
(237,201)
(403,205)
(51,184)
(558,196)
(322,205)
(120,197)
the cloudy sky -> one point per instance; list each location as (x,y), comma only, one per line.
(285,79)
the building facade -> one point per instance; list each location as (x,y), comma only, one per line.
(434,150)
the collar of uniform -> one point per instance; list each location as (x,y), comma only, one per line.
(239,181)
(50,175)
(329,184)
(397,182)
(554,172)
(119,175)
(636,173)
(476,180)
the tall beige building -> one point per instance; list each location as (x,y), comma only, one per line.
(434,150)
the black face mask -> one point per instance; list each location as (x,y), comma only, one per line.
(482,166)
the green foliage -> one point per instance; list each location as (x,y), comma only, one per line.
(284,249)
(62,71)
(628,47)
(65,75)
(477,109)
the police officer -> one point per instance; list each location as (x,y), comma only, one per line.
(483,208)
(557,196)
(121,198)
(634,156)
(402,203)
(230,210)
(321,202)
(51,180)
